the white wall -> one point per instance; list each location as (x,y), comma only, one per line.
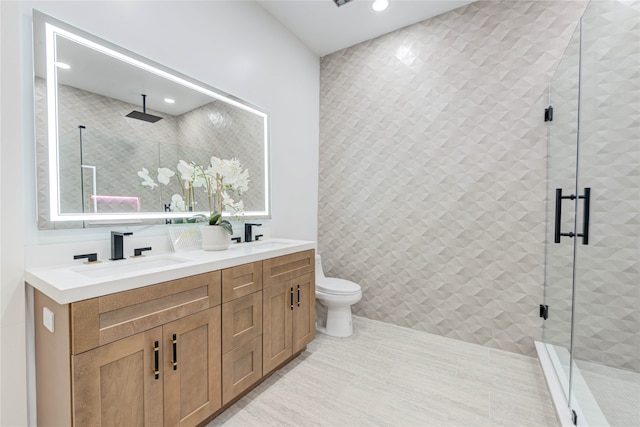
(12,321)
(234,46)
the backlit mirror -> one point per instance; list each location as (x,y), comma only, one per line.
(105,115)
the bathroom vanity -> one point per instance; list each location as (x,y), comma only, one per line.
(126,348)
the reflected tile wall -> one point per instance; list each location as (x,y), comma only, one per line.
(432,169)
(134,144)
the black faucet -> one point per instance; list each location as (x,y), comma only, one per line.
(138,252)
(117,246)
(248,237)
(91,258)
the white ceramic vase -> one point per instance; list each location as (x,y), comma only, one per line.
(214,238)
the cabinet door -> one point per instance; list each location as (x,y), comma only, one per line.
(304,313)
(115,384)
(192,377)
(278,303)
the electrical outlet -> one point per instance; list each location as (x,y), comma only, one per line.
(48,319)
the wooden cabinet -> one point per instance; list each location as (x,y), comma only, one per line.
(304,312)
(175,353)
(241,329)
(115,384)
(130,381)
(102,320)
(192,368)
(116,356)
(288,307)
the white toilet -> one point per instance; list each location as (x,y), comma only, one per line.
(334,298)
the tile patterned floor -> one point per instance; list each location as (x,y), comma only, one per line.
(386,375)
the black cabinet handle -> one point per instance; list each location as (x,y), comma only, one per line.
(298,295)
(291,295)
(156,357)
(174,341)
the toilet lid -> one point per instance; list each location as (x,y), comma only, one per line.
(335,286)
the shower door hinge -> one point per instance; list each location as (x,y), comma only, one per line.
(574,417)
(544,311)
(548,114)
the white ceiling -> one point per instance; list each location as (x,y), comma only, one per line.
(326,28)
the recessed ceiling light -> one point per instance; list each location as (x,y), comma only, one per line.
(62,65)
(170,101)
(380,5)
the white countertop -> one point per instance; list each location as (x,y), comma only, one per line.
(77,281)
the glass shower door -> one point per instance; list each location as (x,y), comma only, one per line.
(606,328)
(561,175)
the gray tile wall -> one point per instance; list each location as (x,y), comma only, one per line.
(432,169)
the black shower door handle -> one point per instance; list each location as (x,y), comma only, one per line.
(556,229)
(585,215)
(557,234)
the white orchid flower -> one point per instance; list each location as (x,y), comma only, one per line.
(186,170)
(238,180)
(217,165)
(228,202)
(199,180)
(147,180)
(164,175)
(177,204)
(144,173)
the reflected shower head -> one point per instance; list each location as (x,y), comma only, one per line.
(142,115)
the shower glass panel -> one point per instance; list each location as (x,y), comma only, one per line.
(592,286)
(561,173)
(606,334)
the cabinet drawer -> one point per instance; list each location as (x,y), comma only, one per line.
(241,368)
(287,267)
(106,319)
(241,321)
(241,280)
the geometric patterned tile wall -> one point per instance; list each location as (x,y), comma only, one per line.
(432,169)
(225,131)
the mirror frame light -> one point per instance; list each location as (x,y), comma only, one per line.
(54,28)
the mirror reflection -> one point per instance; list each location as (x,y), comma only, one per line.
(104,114)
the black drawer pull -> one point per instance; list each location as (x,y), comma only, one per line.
(174,341)
(156,357)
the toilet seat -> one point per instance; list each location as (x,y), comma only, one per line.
(335,286)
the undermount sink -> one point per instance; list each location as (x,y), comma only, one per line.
(129,265)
